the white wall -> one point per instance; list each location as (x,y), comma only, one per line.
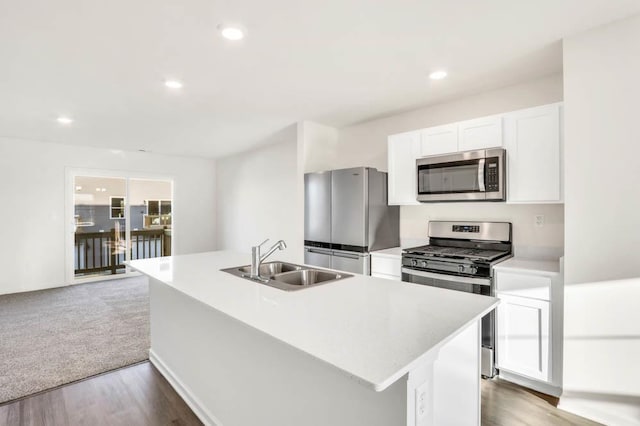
(32,187)
(259,196)
(602,289)
(319,144)
(365,144)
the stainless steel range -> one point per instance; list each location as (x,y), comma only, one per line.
(460,256)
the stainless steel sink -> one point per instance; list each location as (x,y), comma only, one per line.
(269,269)
(307,277)
(288,276)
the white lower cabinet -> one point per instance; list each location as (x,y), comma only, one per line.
(529,323)
(523,332)
(386,266)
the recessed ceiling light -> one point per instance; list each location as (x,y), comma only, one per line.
(173,84)
(231,33)
(64,120)
(438,75)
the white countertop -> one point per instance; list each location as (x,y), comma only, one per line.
(393,252)
(525,265)
(373,329)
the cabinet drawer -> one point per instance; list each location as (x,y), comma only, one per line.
(524,285)
(386,265)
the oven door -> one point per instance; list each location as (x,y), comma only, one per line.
(466,176)
(469,285)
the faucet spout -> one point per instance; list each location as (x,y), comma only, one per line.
(280,245)
(257,258)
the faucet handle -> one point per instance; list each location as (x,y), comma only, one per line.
(262,243)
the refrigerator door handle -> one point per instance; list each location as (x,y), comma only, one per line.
(318,251)
(345,255)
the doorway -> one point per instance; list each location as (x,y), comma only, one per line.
(117,219)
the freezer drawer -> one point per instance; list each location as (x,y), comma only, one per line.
(357,263)
(317,257)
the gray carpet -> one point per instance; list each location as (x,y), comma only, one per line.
(57,336)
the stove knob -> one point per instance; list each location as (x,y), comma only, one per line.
(461,268)
(474,269)
(423,263)
(414,262)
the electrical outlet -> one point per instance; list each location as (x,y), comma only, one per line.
(539,220)
(421,402)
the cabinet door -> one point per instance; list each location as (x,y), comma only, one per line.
(533,141)
(403,149)
(480,133)
(439,140)
(523,344)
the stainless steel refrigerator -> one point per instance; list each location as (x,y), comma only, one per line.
(346,216)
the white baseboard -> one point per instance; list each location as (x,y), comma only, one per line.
(193,402)
(531,383)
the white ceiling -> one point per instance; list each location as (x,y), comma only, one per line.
(333,61)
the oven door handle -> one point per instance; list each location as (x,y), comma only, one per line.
(445,277)
(481,174)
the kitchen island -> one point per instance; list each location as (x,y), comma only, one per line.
(359,351)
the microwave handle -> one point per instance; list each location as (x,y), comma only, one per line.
(481,174)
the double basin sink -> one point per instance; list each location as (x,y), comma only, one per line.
(288,276)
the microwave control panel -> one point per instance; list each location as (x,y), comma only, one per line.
(492,175)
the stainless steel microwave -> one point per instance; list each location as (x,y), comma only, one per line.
(463,176)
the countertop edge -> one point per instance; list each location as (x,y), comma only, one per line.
(425,357)
(550,268)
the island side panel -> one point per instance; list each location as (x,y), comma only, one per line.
(457,379)
(445,389)
(234,375)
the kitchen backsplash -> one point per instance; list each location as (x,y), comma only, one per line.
(529,239)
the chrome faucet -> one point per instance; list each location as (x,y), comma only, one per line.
(257,258)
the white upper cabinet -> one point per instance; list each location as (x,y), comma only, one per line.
(533,140)
(403,149)
(439,140)
(481,133)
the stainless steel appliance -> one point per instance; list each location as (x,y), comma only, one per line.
(460,256)
(346,216)
(464,176)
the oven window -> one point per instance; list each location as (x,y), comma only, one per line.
(460,176)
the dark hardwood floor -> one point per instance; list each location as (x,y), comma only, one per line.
(138,395)
(131,396)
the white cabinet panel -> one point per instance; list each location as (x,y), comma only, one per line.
(386,265)
(533,139)
(524,285)
(403,149)
(523,336)
(481,133)
(439,140)
(385,276)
